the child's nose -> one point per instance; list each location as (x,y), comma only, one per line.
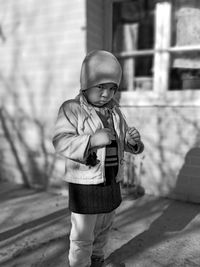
(105,93)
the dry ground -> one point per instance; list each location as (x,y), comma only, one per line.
(147,231)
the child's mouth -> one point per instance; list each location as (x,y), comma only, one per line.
(104,100)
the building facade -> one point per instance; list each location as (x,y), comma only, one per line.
(157,43)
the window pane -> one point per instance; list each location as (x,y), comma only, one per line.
(186,21)
(131,79)
(184,73)
(133,30)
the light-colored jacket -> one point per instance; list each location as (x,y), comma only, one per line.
(77,121)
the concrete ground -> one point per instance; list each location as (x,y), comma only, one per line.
(148,231)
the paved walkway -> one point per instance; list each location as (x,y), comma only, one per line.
(147,231)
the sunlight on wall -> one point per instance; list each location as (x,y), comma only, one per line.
(42,45)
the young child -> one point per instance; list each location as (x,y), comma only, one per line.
(92,135)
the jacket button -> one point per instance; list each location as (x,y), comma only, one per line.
(122,161)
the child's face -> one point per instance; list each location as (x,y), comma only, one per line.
(101,94)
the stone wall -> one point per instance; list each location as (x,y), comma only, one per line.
(171,161)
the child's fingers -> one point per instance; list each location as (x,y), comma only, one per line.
(134,133)
(110,133)
(112,136)
(130,130)
(136,136)
(132,142)
(107,130)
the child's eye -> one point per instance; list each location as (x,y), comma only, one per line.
(100,86)
(114,88)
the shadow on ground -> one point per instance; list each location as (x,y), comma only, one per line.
(174,219)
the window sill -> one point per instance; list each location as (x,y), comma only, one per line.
(182,98)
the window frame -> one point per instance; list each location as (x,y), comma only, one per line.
(160,94)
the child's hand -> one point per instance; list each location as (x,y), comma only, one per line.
(101,138)
(133,136)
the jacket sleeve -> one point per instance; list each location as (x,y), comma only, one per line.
(66,140)
(136,149)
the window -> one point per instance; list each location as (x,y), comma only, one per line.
(158,45)
(185,63)
(133,30)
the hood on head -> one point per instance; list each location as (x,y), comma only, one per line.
(100,67)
